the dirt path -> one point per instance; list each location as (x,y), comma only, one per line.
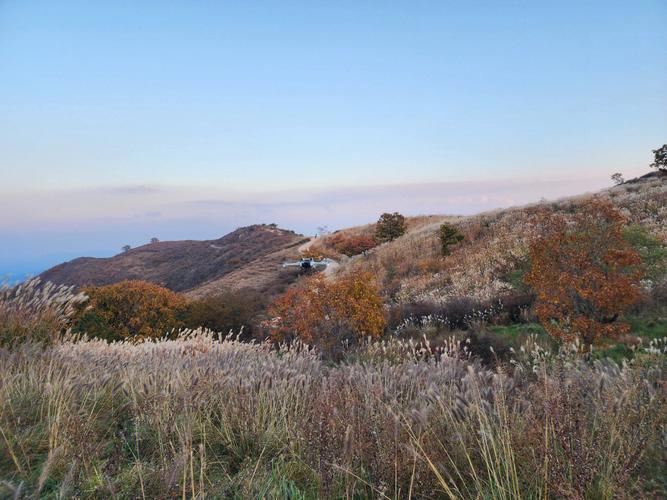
(333,265)
(306,245)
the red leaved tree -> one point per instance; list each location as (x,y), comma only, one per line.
(328,312)
(584,274)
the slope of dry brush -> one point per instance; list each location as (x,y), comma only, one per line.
(496,243)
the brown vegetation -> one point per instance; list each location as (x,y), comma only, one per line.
(35,311)
(196,418)
(351,245)
(326,313)
(584,273)
(426,412)
(129,310)
(230,312)
(489,263)
(181,265)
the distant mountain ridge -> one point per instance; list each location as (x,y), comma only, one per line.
(183,266)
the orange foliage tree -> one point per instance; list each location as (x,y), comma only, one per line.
(584,274)
(129,309)
(326,312)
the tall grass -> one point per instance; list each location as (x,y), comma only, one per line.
(198,417)
(35,310)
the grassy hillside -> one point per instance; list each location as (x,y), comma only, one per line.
(264,274)
(484,266)
(181,265)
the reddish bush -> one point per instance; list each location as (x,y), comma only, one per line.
(325,313)
(584,274)
(352,244)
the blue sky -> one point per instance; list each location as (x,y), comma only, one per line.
(120,120)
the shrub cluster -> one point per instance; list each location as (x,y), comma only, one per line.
(328,313)
(461,313)
(233,311)
(137,310)
(129,309)
(353,244)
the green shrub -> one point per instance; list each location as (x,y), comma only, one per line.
(660,159)
(515,276)
(652,251)
(389,227)
(449,235)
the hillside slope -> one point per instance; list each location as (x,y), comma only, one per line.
(410,269)
(484,266)
(264,274)
(183,265)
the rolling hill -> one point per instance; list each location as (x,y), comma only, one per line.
(188,266)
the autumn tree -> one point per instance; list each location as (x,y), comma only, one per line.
(129,309)
(449,235)
(389,227)
(584,274)
(660,158)
(327,313)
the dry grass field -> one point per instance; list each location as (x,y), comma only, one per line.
(199,418)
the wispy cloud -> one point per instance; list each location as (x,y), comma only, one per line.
(299,209)
(128,190)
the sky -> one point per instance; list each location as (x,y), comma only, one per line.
(124,120)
